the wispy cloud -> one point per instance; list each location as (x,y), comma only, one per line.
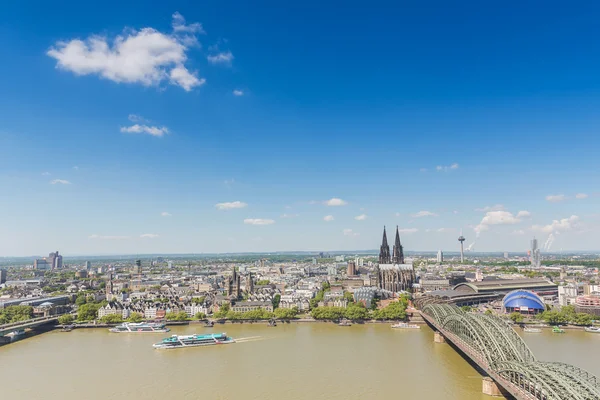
(496,218)
(556,198)
(165,214)
(328,218)
(105,237)
(231,205)
(76,168)
(148,236)
(408,230)
(361,217)
(258,221)
(518,232)
(289,215)
(59,182)
(238,92)
(46,173)
(421,214)
(442,168)
(224,58)
(147,57)
(350,232)
(497,207)
(335,202)
(137,118)
(523,214)
(565,224)
(581,196)
(423,170)
(229,182)
(150,130)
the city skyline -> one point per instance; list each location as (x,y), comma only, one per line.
(188,129)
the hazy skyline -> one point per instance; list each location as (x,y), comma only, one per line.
(233,127)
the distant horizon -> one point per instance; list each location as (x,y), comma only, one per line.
(373,252)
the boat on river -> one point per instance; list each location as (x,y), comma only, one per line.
(404,325)
(529,329)
(175,342)
(592,329)
(556,329)
(344,322)
(140,327)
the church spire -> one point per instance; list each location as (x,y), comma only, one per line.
(398,255)
(384,250)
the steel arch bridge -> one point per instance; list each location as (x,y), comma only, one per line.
(493,344)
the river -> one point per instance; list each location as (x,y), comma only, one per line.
(315,361)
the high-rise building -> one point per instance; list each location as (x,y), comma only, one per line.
(170,264)
(351,271)
(536,256)
(3,275)
(88,265)
(462,239)
(41,264)
(440,256)
(55,260)
(249,283)
(506,255)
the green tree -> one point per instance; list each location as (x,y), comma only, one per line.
(81,299)
(393,311)
(554,317)
(326,286)
(348,296)
(328,313)
(180,316)
(489,312)
(516,317)
(466,308)
(66,319)
(263,282)
(200,316)
(582,319)
(135,317)
(87,312)
(112,319)
(276,300)
(223,310)
(199,300)
(286,313)
(356,312)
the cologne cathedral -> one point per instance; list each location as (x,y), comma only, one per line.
(392,273)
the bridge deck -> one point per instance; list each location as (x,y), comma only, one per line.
(30,323)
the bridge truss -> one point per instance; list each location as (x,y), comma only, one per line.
(494,342)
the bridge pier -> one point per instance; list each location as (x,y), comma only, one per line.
(438,337)
(490,388)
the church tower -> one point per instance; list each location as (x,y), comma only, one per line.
(398,255)
(384,250)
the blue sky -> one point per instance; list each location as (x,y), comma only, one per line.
(226,126)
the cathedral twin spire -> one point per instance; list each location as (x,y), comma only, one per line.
(384,251)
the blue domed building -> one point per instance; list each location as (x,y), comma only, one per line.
(523,301)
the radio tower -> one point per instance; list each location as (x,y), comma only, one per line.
(461,239)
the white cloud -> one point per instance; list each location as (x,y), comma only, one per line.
(518,232)
(334,202)
(149,236)
(581,196)
(136,118)
(455,212)
(146,57)
(555,198)
(76,168)
(424,214)
(447,167)
(150,130)
(445,230)
(290,215)
(408,230)
(523,214)
(238,92)
(565,224)
(224,58)
(361,217)
(328,218)
(180,26)
(60,181)
(104,237)
(497,207)
(46,173)
(231,205)
(165,214)
(258,221)
(350,232)
(397,214)
(495,218)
